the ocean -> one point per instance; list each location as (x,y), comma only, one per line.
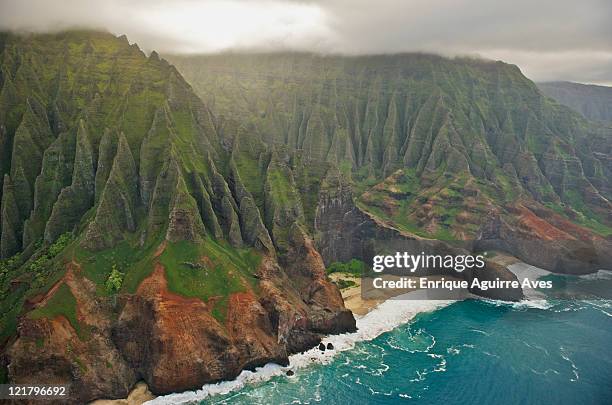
(548,351)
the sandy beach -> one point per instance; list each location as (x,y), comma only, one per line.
(362,297)
(139,395)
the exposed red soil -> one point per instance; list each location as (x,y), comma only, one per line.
(540,227)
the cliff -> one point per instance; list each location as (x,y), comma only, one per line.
(136,242)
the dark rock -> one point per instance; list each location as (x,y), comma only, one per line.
(330,346)
(321,347)
(290,373)
(494,271)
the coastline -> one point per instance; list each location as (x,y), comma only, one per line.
(381,318)
(374,316)
(353,299)
(363,297)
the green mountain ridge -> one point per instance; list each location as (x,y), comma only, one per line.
(592,101)
(450,123)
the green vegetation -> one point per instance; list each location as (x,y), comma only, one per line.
(220,270)
(6,265)
(62,303)
(42,259)
(60,244)
(344,284)
(438,119)
(209,270)
(114,146)
(354,266)
(586,218)
(114,280)
(35,275)
(97,266)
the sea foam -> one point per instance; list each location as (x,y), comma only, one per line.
(385,317)
(598,275)
(533,299)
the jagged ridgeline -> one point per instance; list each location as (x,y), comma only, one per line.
(451,141)
(88,120)
(129,213)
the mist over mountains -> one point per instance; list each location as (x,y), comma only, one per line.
(579,49)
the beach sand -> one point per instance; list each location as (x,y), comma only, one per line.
(363,300)
(352,295)
(139,395)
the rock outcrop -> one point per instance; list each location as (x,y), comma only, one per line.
(78,350)
(175,343)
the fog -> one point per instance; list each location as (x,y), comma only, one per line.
(547,39)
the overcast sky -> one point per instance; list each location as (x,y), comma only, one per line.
(547,39)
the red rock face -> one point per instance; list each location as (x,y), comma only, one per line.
(539,227)
(52,351)
(175,343)
(172,342)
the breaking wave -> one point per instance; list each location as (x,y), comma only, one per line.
(385,317)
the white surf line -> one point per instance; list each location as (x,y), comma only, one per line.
(385,317)
(598,275)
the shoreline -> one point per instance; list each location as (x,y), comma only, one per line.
(362,299)
(374,316)
(382,318)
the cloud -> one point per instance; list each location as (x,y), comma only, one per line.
(548,39)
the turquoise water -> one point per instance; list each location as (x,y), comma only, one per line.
(469,352)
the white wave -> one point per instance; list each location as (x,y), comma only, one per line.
(455,350)
(385,317)
(490,354)
(535,304)
(600,307)
(536,347)
(532,303)
(598,275)
(566,357)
